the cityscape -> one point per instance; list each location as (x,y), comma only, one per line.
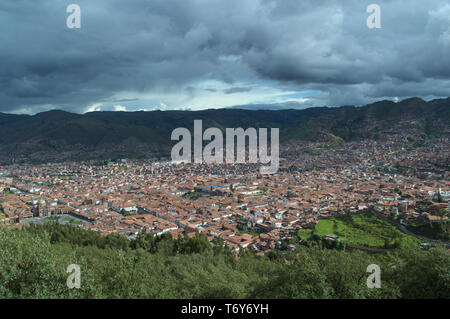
(234,202)
(225,159)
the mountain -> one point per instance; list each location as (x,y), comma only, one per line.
(58,134)
(412,116)
(292,105)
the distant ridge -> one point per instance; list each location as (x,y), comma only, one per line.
(48,135)
(272,106)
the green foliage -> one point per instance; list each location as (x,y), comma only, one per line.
(305,233)
(439,198)
(125,213)
(365,230)
(337,142)
(7,190)
(301,132)
(439,230)
(194,195)
(425,274)
(33,264)
(252,233)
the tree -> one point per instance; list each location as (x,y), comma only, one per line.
(439,197)
(33,265)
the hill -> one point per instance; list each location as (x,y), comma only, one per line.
(34,262)
(362,230)
(58,134)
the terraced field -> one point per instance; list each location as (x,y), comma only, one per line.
(363,230)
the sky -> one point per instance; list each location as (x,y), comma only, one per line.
(200,54)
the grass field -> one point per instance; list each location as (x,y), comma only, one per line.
(305,233)
(363,229)
(242,232)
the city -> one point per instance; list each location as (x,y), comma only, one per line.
(225,159)
(233,201)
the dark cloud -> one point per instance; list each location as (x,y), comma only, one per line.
(237,90)
(171,52)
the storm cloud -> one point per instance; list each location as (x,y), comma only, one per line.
(197,54)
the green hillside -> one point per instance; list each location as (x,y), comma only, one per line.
(365,230)
(33,264)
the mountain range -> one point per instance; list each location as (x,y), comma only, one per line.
(57,135)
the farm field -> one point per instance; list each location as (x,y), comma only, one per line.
(363,230)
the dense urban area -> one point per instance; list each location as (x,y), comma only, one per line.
(234,202)
(328,176)
(153,228)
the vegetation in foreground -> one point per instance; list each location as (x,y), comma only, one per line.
(33,264)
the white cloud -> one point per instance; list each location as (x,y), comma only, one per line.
(120,108)
(93,108)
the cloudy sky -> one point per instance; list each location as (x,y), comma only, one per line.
(198,54)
